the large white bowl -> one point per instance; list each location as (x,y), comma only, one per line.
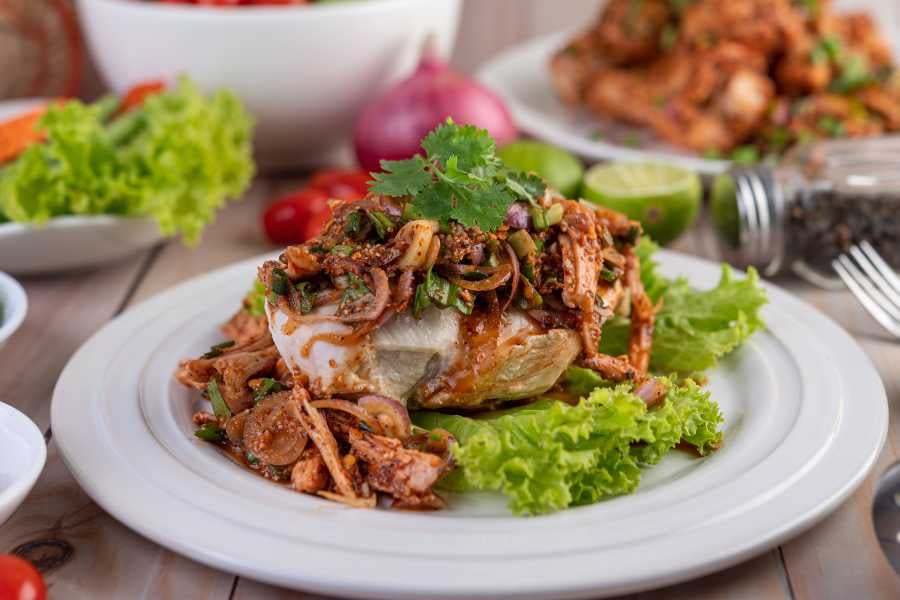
(305,72)
(13,306)
(23,453)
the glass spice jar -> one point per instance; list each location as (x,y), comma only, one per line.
(822,198)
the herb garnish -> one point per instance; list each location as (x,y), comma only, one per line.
(267,386)
(382,223)
(281,283)
(353,224)
(216,350)
(342,249)
(440,292)
(211,433)
(251,458)
(220,408)
(307,297)
(461,179)
(356,289)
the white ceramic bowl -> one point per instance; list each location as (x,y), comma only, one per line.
(13,306)
(23,452)
(305,72)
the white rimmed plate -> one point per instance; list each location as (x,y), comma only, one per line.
(23,452)
(806,416)
(68,242)
(521,78)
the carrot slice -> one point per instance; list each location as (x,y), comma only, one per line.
(18,133)
(137,94)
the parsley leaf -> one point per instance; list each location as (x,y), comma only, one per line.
(401,177)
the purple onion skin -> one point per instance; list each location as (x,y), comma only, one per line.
(392,127)
(517,216)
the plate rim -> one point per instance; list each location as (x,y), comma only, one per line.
(837,492)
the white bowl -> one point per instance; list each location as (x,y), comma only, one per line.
(23,452)
(73,242)
(13,306)
(305,72)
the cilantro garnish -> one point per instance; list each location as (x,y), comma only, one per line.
(460,179)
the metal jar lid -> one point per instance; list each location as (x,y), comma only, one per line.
(748,212)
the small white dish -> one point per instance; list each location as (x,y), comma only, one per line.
(73,242)
(23,453)
(520,76)
(13,306)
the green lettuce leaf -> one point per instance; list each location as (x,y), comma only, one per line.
(176,159)
(694,328)
(550,455)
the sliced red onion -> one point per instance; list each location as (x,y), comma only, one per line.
(390,414)
(517,216)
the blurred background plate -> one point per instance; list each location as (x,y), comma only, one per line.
(521,77)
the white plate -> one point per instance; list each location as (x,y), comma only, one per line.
(521,78)
(23,452)
(68,242)
(13,306)
(806,416)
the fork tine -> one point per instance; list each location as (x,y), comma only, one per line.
(860,286)
(885,269)
(890,293)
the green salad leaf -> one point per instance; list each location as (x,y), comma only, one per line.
(549,455)
(694,328)
(176,158)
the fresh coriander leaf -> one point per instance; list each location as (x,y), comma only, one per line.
(525,186)
(220,408)
(434,202)
(473,147)
(401,177)
(211,433)
(356,289)
(486,210)
(266,387)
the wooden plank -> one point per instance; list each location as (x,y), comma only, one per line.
(110,560)
(64,310)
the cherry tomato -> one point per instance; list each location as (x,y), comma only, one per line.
(345,184)
(19,580)
(137,94)
(296,217)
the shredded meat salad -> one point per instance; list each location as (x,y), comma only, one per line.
(564,264)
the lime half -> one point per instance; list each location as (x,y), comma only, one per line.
(665,199)
(559,168)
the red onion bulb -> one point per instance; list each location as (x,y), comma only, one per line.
(392,127)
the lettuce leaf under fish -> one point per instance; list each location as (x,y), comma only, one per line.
(550,455)
(176,158)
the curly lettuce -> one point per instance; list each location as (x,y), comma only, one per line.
(176,158)
(550,455)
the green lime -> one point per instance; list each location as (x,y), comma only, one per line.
(724,210)
(665,199)
(559,168)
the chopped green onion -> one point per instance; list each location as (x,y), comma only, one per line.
(444,294)
(267,386)
(307,297)
(280,282)
(382,223)
(216,350)
(745,155)
(538,219)
(554,214)
(342,249)
(211,433)
(220,408)
(251,458)
(521,242)
(528,271)
(421,301)
(608,275)
(539,244)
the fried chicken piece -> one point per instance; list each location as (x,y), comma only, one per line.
(629,32)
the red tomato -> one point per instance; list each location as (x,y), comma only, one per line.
(346,184)
(138,93)
(19,580)
(296,217)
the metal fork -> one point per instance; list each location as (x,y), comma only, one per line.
(873,282)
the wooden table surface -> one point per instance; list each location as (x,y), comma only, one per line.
(87,555)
